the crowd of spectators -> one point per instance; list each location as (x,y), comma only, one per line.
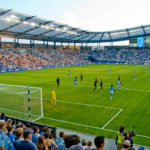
(18,136)
(15,135)
(34,58)
(128,55)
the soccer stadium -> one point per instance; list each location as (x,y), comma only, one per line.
(63,87)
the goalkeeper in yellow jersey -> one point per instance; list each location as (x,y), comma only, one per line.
(53,96)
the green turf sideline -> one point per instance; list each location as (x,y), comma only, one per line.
(68,122)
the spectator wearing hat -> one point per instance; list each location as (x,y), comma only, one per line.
(26,144)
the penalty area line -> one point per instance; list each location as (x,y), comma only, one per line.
(112,118)
(89,105)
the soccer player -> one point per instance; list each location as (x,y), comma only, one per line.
(75,82)
(68,73)
(53,96)
(146,67)
(111,89)
(133,75)
(101,85)
(58,80)
(119,77)
(81,76)
(119,83)
(108,71)
(95,84)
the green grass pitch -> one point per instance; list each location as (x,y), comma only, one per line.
(81,109)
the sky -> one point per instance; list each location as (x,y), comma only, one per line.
(92,15)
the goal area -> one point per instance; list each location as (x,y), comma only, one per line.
(23,102)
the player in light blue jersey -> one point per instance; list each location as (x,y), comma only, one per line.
(111,89)
(108,71)
(133,75)
(68,73)
(75,82)
(119,82)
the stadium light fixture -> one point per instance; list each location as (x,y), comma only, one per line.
(47,27)
(42,26)
(33,24)
(52,25)
(8,19)
(13,16)
(57,29)
(25,22)
(65,28)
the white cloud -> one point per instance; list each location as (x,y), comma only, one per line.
(70,19)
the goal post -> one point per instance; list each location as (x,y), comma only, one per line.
(21,101)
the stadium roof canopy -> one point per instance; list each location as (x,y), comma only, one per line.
(22,26)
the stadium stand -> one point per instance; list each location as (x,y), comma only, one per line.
(27,58)
(34,58)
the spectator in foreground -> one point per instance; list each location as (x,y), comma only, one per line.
(5,142)
(128,137)
(26,144)
(45,129)
(19,137)
(141,148)
(84,144)
(99,142)
(89,145)
(49,141)
(120,137)
(60,142)
(35,135)
(2,116)
(10,133)
(126,145)
(41,143)
(72,142)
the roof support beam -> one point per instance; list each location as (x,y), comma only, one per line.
(92,37)
(143,30)
(83,37)
(110,36)
(4,12)
(128,32)
(101,36)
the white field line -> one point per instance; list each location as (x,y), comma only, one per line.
(127,89)
(112,118)
(37,119)
(68,122)
(19,86)
(89,105)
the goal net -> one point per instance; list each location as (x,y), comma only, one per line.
(21,101)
